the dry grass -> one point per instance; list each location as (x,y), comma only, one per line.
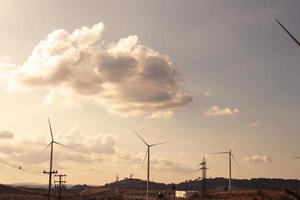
(97,193)
(250,195)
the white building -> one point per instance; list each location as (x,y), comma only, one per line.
(185,194)
(180,194)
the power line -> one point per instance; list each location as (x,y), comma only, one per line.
(60,184)
(50,179)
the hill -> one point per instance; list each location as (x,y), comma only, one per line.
(213,184)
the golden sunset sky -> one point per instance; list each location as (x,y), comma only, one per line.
(195,73)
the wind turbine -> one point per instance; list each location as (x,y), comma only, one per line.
(148,160)
(230,156)
(295,40)
(51,144)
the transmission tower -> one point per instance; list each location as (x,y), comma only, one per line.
(203,168)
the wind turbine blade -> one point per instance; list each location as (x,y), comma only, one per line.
(233,142)
(141,137)
(44,149)
(158,144)
(60,144)
(50,128)
(225,152)
(236,162)
(295,40)
(145,158)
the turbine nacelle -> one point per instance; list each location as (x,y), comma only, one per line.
(229,154)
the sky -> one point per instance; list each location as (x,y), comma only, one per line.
(201,75)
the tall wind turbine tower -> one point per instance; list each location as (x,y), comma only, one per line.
(295,40)
(148,160)
(50,172)
(230,157)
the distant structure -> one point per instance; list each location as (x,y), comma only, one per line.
(148,160)
(50,172)
(117,181)
(130,185)
(185,194)
(60,184)
(203,168)
(230,156)
(295,40)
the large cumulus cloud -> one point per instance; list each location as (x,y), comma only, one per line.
(125,77)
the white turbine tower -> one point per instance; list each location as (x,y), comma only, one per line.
(148,160)
(51,158)
(230,156)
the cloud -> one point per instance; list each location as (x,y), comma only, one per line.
(157,163)
(260,124)
(127,158)
(33,156)
(10,149)
(81,142)
(216,111)
(6,134)
(253,125)
(161,115)
(80,158)
(207,94)
(258,159)
(182,153)
(125,77)
(4,66)
(170,165)
(60,99)
(82,148)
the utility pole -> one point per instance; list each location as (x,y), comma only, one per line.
(141,188)
(203,168)
(152,187)
(117,181)
(130,183)
(50,178)
(229,181)
(60,184)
